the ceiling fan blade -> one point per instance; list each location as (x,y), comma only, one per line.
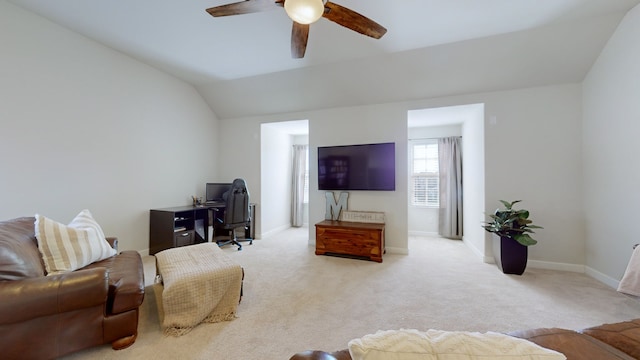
(243,7)
(352,20)
(299,37)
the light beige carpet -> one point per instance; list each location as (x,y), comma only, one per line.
(294,300)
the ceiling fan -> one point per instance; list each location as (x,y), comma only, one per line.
(303,13)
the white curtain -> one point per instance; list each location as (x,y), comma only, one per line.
(297,194)
(450,163)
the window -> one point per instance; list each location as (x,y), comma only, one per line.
(425,181)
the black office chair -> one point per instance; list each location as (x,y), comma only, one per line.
(236,213)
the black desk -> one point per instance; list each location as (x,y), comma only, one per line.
(177,226)
(186,225)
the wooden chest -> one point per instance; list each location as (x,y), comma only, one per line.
(350,238)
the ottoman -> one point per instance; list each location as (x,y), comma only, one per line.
(196,284)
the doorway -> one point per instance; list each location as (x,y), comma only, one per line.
(277,140)
(425,127)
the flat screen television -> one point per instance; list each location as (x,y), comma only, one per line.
(357,167)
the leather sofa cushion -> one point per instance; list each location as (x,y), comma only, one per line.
(42,296)
(19,255)
(623,335)
(574,345)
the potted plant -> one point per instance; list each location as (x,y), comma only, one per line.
(511,229)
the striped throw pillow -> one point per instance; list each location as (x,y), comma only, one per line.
(70,247)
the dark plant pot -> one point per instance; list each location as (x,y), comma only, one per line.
(510,255)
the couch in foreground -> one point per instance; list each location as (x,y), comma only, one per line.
(45,317)
(619,341)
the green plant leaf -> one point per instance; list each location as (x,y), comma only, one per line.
(525,239)
(514,224)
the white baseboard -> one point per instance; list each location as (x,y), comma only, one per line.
(422,233)
(399,251)
(488,260)
(537,264)
(273,231)
(605,279)
(546,265)
(476,251)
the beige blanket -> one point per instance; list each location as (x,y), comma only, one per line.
(197,283)
(630,283)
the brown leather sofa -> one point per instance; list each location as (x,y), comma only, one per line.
(45,317)
(619,341)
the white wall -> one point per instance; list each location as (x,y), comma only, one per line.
(611,173)
(362,125)
(276,159)
(532,153)
(83,126)
(239,148)
(423,220)
(335,127)
(473,167)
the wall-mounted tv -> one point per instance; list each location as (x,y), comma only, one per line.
(357,167)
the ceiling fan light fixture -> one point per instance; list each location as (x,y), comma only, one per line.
(304,11)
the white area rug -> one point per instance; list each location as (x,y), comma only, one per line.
(294,300)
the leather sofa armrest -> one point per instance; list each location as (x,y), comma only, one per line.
(113,241)
(624,336)
(35,297)
(574,345)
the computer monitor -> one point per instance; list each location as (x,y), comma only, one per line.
(214,191)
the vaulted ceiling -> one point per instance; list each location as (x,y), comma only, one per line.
(242,64)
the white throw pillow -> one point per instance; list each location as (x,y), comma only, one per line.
(446,345)
(70,247)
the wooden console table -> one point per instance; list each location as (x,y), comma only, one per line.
(350,238)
